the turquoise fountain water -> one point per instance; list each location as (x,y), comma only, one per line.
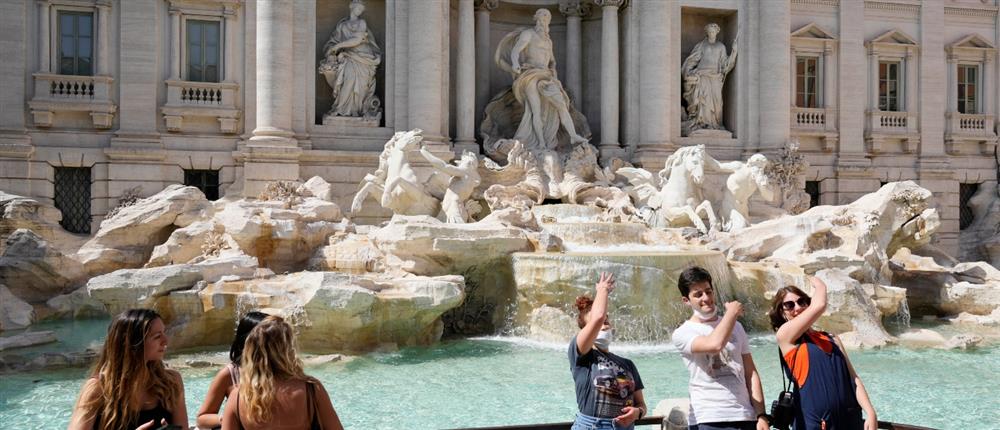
(504,380)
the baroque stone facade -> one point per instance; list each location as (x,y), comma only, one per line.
(225,93)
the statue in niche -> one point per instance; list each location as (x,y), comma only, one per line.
(536,110)
(350,59)
(704,72)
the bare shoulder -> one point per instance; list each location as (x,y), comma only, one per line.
(91,388)
(175,376)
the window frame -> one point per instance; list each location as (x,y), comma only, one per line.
(59,12)
(897,97)
(962,88)
(804,89)
(185,48)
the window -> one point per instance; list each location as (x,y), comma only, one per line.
(203,51)
(72,198)
(965,215)
(805,82)
(205,180)
(967,88)
(888,86)
(812,188)
(76,43)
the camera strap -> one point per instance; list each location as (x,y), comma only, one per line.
(786,383)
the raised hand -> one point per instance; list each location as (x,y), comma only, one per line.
(734,307)
(607,282)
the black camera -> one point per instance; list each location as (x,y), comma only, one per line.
(782,411)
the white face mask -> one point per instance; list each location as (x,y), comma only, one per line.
(603,340)
(706,316)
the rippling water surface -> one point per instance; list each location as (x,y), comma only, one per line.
(503,381)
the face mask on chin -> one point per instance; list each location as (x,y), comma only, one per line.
(706,316)
(603,340)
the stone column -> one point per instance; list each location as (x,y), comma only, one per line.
(856,95)
(657,80)
(428,62)
(775,100)
(465,93)
(175,44)
(609,146)
(574,10)
(103,29)
(230,55)
(483,55)
(872,79)
(272,154)
(827,76)
(44,41)
(910,97)
(987,76)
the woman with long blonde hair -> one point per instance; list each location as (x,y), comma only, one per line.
(274,392)
(129,387)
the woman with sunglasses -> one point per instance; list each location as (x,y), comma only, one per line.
(608,387)
(828,392)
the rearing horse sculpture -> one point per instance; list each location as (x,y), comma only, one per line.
(673,197)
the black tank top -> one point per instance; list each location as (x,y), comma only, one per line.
(156,414)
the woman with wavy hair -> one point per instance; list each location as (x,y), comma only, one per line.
(129,387)
(274,392)
(827,392)
(229,376)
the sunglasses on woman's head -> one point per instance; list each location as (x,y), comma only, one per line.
(789,305)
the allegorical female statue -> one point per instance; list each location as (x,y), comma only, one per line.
(704,72)
(351,57)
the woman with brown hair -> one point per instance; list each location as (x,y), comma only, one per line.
(828,393)
(608,387)
(129,387)
(273,391)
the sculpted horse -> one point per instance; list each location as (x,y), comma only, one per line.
(401,190)
(673,197)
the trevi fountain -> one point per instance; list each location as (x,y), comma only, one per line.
(455,311)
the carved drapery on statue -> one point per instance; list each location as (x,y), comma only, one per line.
(351,57)
(704,72)
(536,110)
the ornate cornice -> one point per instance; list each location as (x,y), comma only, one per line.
(969,11)
(579,8)
(910,9)
(486,5)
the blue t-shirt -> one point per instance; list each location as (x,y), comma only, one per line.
(605,383)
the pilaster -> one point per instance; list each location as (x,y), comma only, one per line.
(657,83)
(775,101)
(610,91)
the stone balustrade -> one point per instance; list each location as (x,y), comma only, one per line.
(818,122)
(201,99)
(71,93)
(886,125)
(971,128)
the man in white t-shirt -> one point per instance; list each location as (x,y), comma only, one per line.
(724,385)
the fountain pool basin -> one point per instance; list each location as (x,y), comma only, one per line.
(504,381)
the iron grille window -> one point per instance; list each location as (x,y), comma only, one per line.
(967,89)
(203,51)
(72,198)
(965,193)
(888,86)
(805,82)
(812,188)
(76,43)
(205,180)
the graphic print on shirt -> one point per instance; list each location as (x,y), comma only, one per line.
(615,387)
(721,364)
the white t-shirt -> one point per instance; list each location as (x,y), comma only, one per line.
(717,384)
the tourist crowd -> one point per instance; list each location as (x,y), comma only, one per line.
(265,387)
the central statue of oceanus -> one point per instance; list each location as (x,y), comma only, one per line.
(536,110)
